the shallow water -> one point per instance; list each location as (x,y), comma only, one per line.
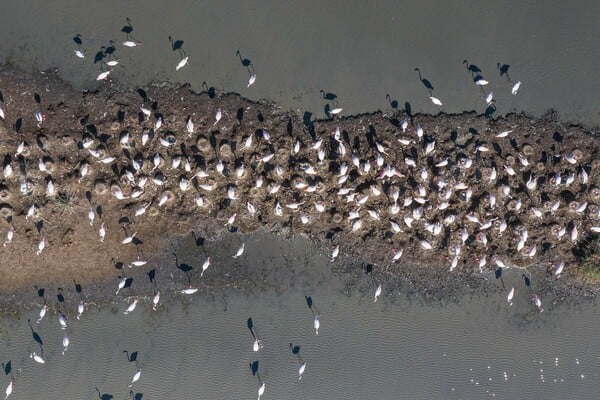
(356,50)
(200,345)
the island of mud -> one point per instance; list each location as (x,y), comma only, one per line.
(97,184)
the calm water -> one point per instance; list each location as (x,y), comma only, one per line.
(358,50)
(192,347)
(199,346)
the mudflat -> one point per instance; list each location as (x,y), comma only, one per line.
(432,203)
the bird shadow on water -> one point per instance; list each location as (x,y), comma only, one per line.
(131,357)
(308,123)
(329,96)
(295,349)
(254,367)
(118,264)
(104,396)
(498,275)
(136,396)
(177,45)
(472,68)
(503,71)
(152,275)
(246,62)
(199,240)
(425,82)
(393,103)
(211,91)
(127,29)
(185,268)
(35,335)
(311,305)
(40,292)
(7,367)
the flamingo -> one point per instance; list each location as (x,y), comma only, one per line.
(62,320)
(103,75)
(240,251)
(257,345)
(261,390)
(538,302)
(189,290)
(377,292)
(122,281)
(155,300)
(42,313)
(435,100)
(205,265)
(136,377)
(131,43)
(80,308)
(37,358)
(218,116)
(131,307)
(301,370)
(9,389)
(515,88)
(251,80)
(510,296)
(559,268)
(65,342)
(182,63)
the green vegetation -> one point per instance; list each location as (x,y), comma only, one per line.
(65,201)
(590,260)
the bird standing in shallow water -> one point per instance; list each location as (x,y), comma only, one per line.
(79,51)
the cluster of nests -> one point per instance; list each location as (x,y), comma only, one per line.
(507,196)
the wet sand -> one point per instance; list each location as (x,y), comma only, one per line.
(73,250)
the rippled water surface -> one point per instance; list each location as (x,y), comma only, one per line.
(199,346)
(358,50)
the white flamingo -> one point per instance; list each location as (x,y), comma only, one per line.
(136,377)
(261,390)
(205,266)
(377,292)
(9,389)
(510,296)
(65,343)
(240,251)
(182,63)
(301,370)
(435,100)
(37,358)
(131,307)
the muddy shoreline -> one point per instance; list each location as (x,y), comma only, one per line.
(102,132)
